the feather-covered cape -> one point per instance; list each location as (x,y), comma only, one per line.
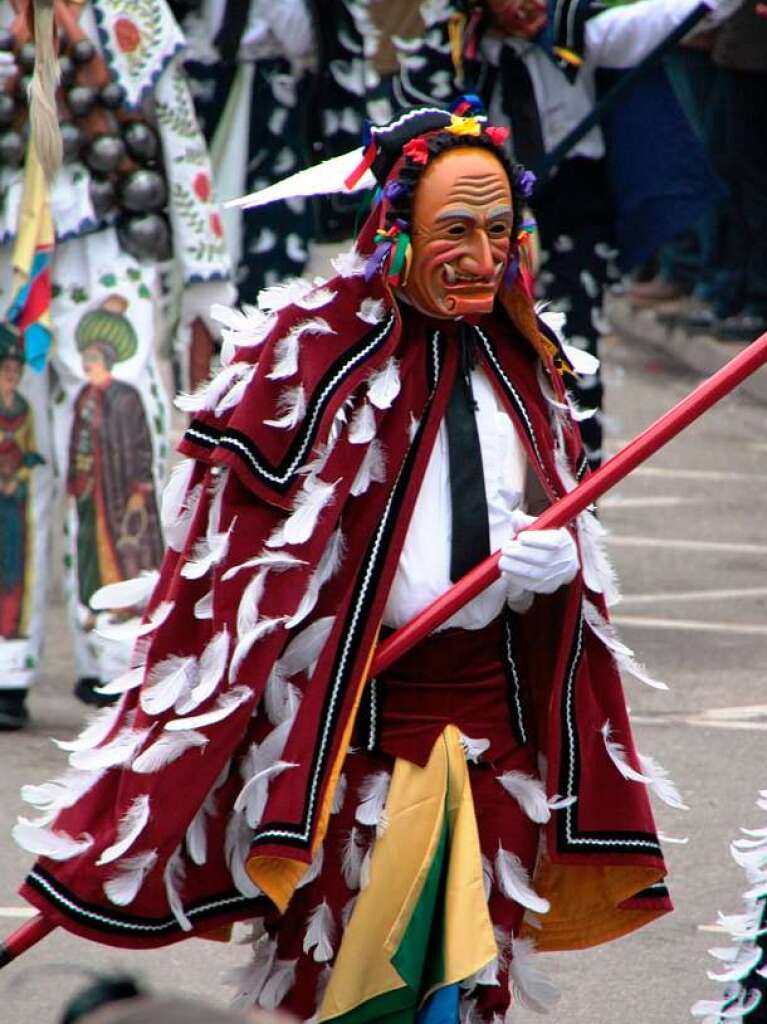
(208,788)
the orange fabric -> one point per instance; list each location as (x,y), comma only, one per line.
(585,904)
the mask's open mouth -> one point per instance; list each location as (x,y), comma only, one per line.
(456,280)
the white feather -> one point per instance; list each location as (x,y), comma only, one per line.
(532,988)
(278,984)
(316,298)
(132,629)
(209,394)
(118,751)
(211,669)
(582,362)
(348,910)
(126,593)
(339,797)
(123,887)
(623,655)
(320,933)
(167,749)
(247,610)
(177,531)
(304,649)
(129,829)
(236,850)
(292,408)
(384,384)
(327,567)
(349,264)
(617,755)
(363,425)
(250,979)
(226,704)
(59,794)
(660,783)
(746,961)
(236,393)
(97,729)
(598,573)
(279,560)
(167,682)
(245,328)
(530,794)
(286,293)
(371,311)
(252,798)
(127,681)
(196,841)
(351,862)
(372,468)
(46,842)
(247,640)
(286,349)
(281,698)
(373,792)
(309,503)
(514,882)
(207,552)
(174,495)
(473,748)
(665,838)
(174,877)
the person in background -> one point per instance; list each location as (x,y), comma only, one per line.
(127,233)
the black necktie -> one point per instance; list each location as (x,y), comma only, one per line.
(471,527)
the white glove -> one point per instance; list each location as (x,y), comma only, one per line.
(537,561)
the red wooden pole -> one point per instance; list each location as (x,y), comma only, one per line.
(30,933)
(619,466)
(612,472)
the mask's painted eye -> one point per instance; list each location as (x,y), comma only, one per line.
(499,229)
(457,229)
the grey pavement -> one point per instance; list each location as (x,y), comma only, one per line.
(690,543)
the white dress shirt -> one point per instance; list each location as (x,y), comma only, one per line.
(619,37)
(423,573)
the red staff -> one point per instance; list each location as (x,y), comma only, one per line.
(561,512)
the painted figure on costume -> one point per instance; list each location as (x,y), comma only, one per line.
(110,462)
(18,458)
(400,845)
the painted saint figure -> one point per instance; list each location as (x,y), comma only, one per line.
(18,458)
(111,456)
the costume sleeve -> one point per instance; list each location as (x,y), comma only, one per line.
(623,36)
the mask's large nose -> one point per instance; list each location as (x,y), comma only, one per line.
(478,259)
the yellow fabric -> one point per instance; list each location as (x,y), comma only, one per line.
(279,876)
(35,226)
(418,800)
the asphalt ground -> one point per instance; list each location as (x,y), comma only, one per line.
(689,541)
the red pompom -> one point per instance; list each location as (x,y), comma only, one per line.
(417,150)
(497,135)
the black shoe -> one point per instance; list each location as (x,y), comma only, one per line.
(13,710)
(85,690)
(743,327)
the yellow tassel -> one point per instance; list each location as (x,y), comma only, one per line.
(43,115)
(568,55)
(455,29)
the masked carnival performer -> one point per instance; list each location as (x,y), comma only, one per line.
(407,841)
(120,252)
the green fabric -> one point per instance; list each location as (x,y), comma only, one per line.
(419,959)
(88,570)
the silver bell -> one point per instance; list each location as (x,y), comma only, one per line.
(11,149)
(147,237)
(105,153)
(102,193)
(112,96)
(81,100)
(144,190)
(142,142)
(7,109)
(82,51)
(71,140)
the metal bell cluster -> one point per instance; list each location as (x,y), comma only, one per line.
(127,186)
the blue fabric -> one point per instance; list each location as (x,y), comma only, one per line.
(441,1007)
(661,177)
(37,342)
